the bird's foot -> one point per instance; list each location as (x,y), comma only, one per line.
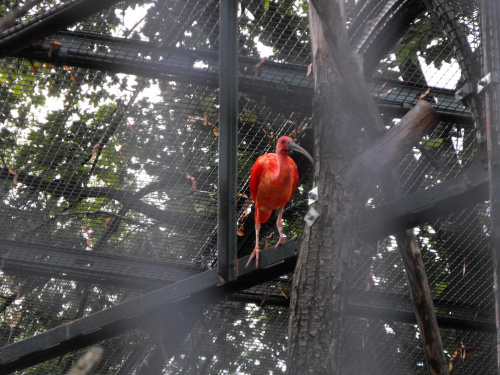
(255,254)
(281,240)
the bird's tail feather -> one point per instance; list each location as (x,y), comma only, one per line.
(264,215)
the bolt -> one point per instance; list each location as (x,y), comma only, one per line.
(313,195)
(309,216)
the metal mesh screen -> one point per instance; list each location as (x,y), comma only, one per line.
(108,178)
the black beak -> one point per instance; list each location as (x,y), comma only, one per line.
(295,147)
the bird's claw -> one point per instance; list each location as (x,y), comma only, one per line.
(281,240)
(255,254)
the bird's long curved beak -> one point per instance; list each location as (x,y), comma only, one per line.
(295,147)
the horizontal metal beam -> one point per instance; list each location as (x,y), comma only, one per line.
(275,81)
(89,266)
(398,306)
(387,307)
(205,287)
(407,316)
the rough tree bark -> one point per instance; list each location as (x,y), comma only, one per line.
(345,119)
(342,113)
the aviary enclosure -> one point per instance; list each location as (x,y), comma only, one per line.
(116,144)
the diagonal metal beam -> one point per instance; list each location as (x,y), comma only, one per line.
(183,296)
(424,206)
(202,288)
(59,17)
(391,21)
(445,14)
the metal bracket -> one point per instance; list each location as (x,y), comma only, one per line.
(464,92)
(312,196)
(491,77)
(311,216)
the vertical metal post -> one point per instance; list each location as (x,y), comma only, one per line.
(228,138)
(490,84)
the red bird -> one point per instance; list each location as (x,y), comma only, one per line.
(273,181)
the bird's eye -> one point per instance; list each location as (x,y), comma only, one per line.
(282,141)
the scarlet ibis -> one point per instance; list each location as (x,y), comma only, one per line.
(273,181)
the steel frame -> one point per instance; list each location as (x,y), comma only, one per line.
(228,139)
(391,22)
(207,287)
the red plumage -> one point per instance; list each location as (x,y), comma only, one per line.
(271,189)
(273,182)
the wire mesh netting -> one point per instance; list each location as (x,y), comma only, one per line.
(109,178)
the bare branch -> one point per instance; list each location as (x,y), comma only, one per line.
(10,19)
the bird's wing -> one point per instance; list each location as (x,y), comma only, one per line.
(255,175)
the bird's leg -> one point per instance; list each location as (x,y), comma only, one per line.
(256,251)
(280,229)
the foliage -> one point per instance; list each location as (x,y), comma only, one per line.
(424,39)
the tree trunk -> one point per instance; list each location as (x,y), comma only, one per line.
(343,114)
(345,118)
